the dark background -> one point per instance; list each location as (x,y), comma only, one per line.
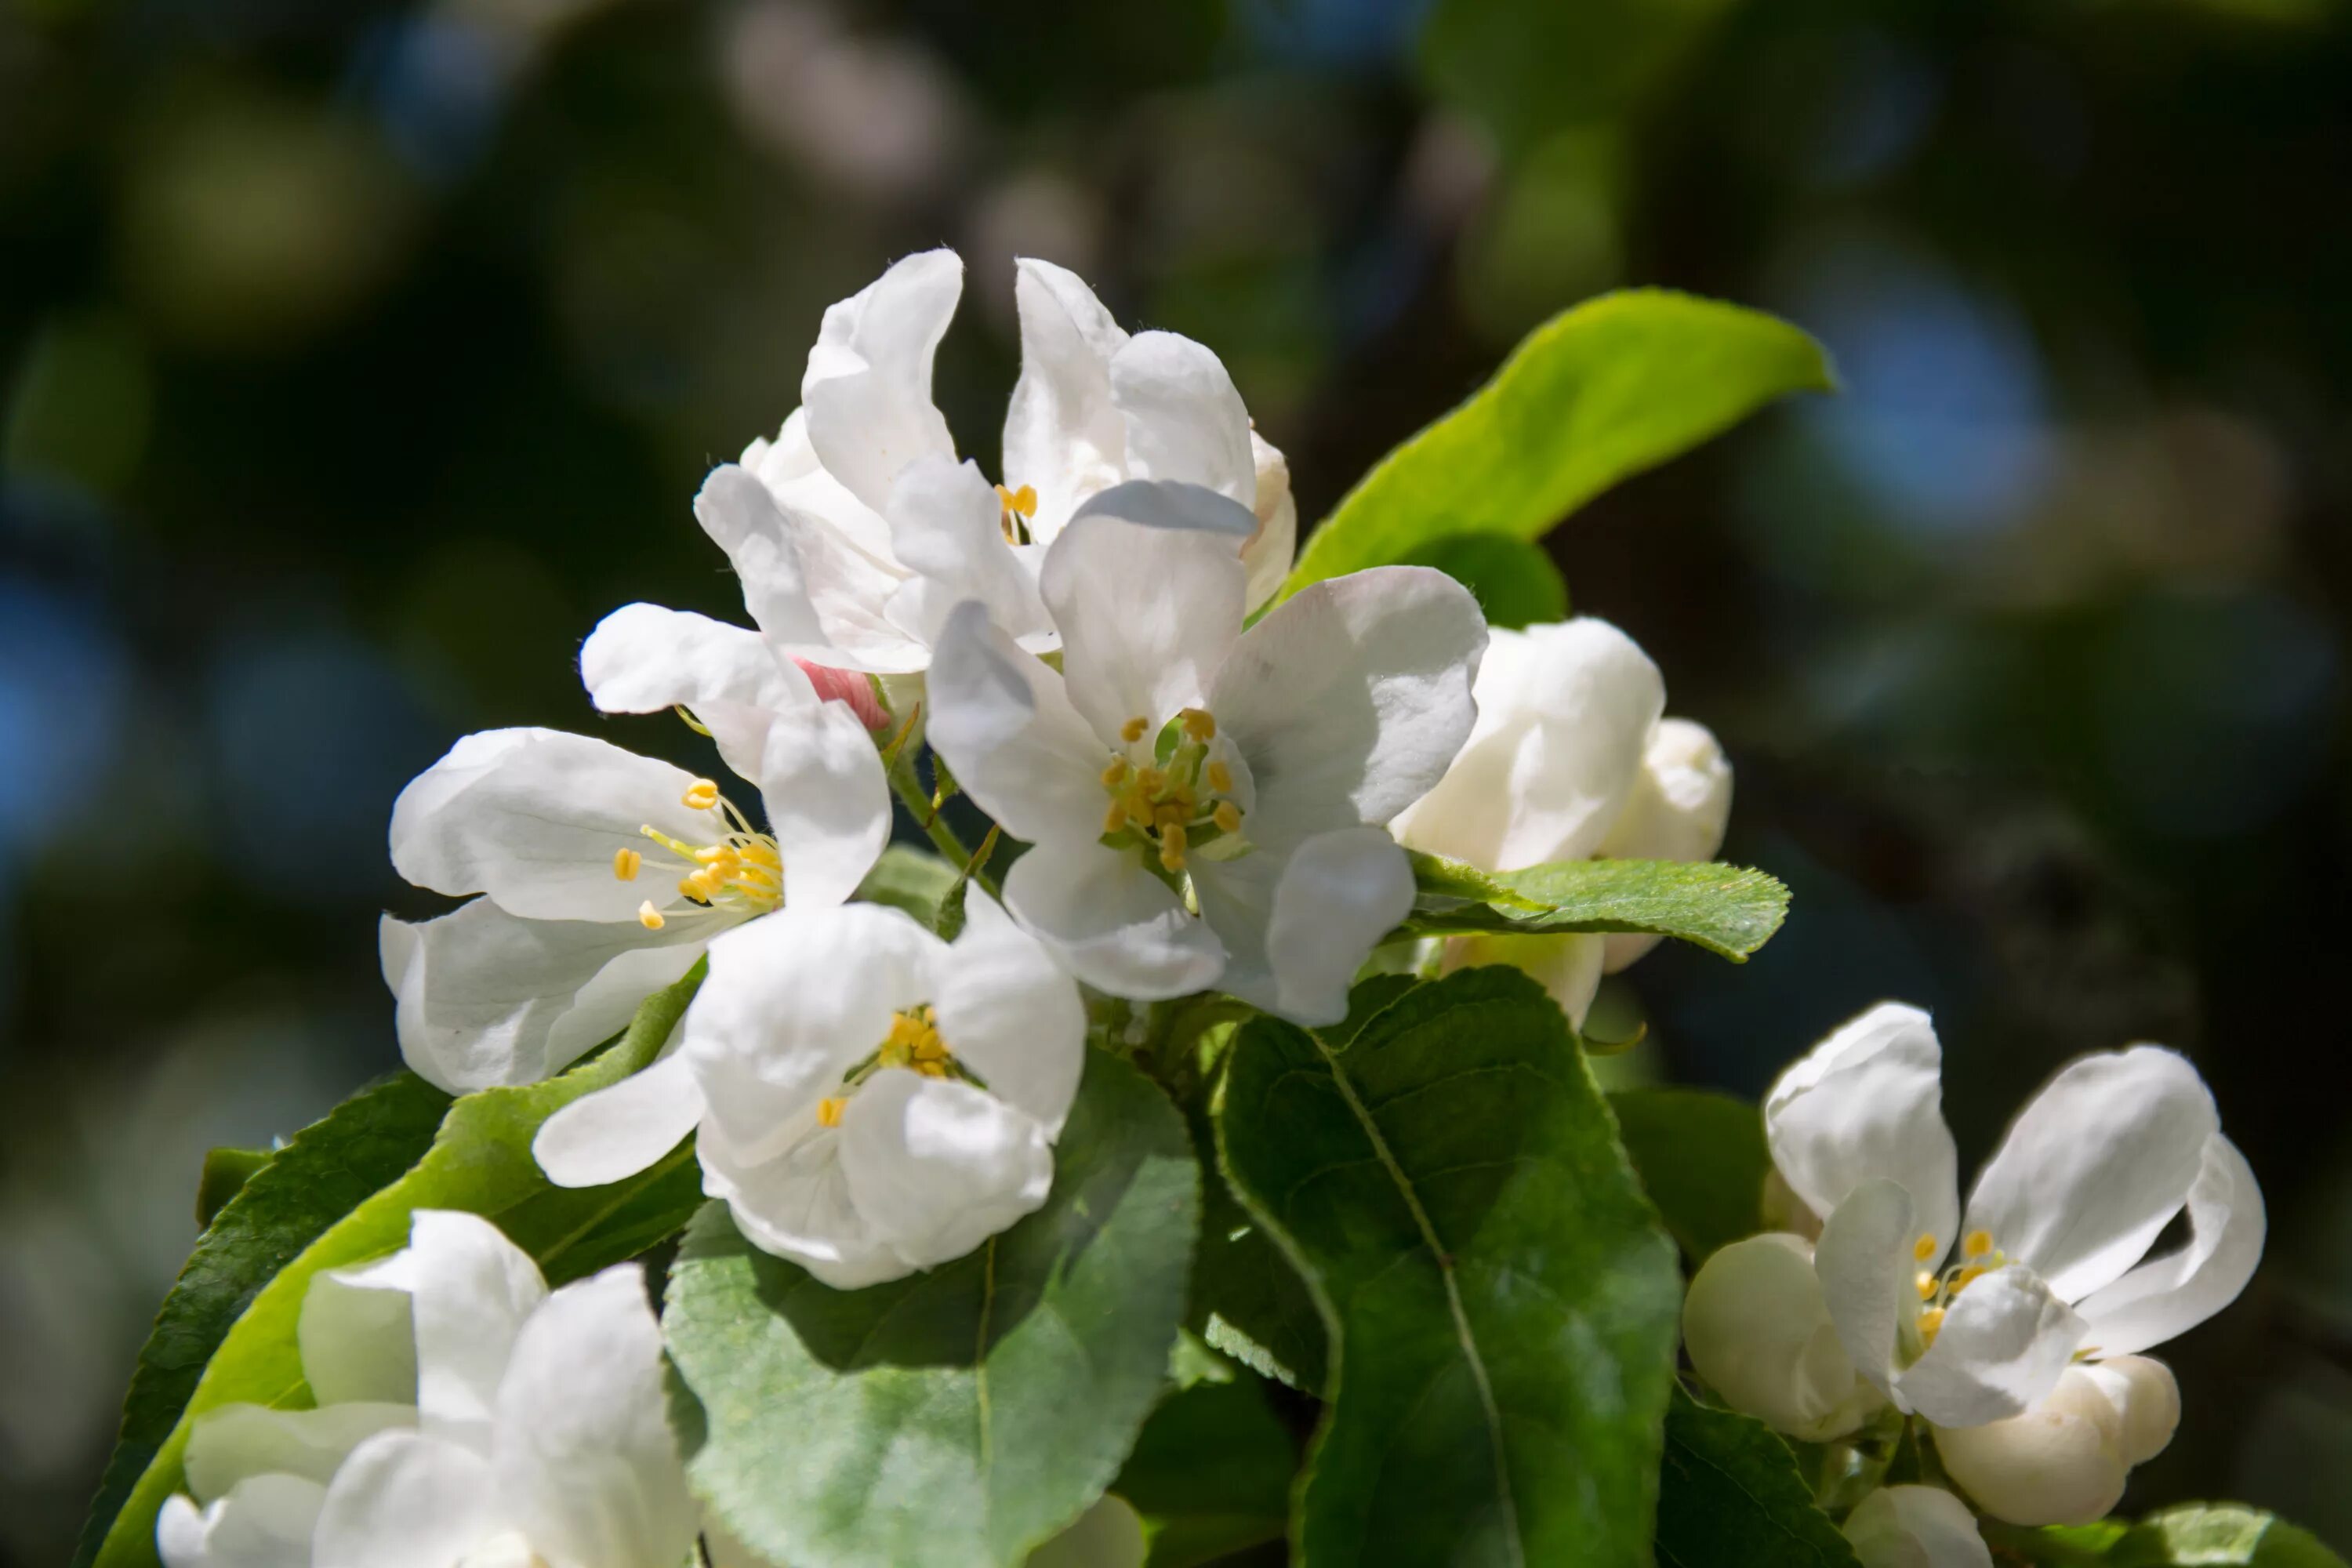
(354,360)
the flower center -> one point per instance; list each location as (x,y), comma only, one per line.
(1019,506)
(739,871)
(913,1043)
(1979,1257)
(1180,802)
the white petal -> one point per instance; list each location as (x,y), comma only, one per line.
(1108,1535)
(1916,1527)
(1296,952)
(1351,699)
(744,519)
(616,1132)
(795,1202)
(2059,1463)
(946,526)
(357,1336)
(1063,435)
(1004,722)
(1184,419)
(584,1457)
(2171,1295)
(1864,1261)
(1868,1102)
(266,1521)
(1266,555)
(2146,1399)
(938,1166)
(487,998)
(470,1290)
(404,1500)
(1680,809)
(827,802)
(1111,922)
(233,1442)
(642,658)
(1147,611)
(1567,966)
(533,819)
(2003,1344)
(792,1001)
(2095,1166)
(1564,714)
(1760,1333)
(819,589)
(1012,1015)
(867,390)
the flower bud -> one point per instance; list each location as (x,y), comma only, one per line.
(1916,1527)
(1567,965)
(2064,1461)
(1759,1332)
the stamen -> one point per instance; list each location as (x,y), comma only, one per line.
(1979,1243)
(1931,1323)
(649,917)
(1926,1285)
(1116,775)
(1923,1248)
(1116,817)
(828,1112)
(1966,1277)
(1221,778)
(1172,847)
(1199,724)
(1132,731)
(1228,817)
(700,795)
(626,862)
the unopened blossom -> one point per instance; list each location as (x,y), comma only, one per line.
(851,541)
(1572,757)
(2015,1331)
(868,1100)
(466,1416)
(1206,806)
(1916,1527)
(603,874)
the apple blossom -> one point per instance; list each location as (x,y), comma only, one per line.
(1571,758)
(1205,805)
(1916,1527)
(868,1100)
(466,1416)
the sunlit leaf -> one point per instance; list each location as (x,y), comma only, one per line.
(1728,909)
(1515,581)
(2190,1535)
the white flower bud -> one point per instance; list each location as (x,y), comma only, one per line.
(1916,1527)
(2146,1400)
(1760,1333)
(2062,1461)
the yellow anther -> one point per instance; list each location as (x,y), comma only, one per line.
(699,887)
(714,854)
(1024,500)
(1923,1248)
(1149,781)
(1116,775)
(1199,723)
(1168,816)
(626,863)
(1967,1276)
(1132,731)
(1228,817)
(1116,817)
(1926,1285)
(1931,1323)
(828,1112)
(649,917)
(1979,1242)
(1221,778)
(1172,847)
(700,795)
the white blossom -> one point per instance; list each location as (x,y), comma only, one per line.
(868,1100)
(1572,757)
(466,1417)
(1205,805)
(1916,1527)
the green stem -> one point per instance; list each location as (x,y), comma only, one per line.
(910,790)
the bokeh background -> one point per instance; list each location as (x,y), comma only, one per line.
(355,358)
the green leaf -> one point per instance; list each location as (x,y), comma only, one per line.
(324,1171)
(480,1162)
(1515,580)
(1702,1157)
(224,1177)
(957,1417)
(2190,1535)
(1502,1299)
(1598,393)
(1727,910)
(1247,1298)
(911,879)
(1729,1491)
(1211,1474)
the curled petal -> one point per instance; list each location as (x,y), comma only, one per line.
(1184,419)
(1012,1014)
(2171,1295)
(827,802)
(868,389)
(2004,1341)
(946,526)
(1864,1258)
(1063,435)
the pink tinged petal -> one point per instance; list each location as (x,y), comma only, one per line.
(2095,1166)
(585,1461)
(533,818)
(616,1132)
(1111,922)
(827,802)
(2171,1295)
(1184,419)
(486,998)
(470,1290)
(867,390)
(1063,435)
(1680,810)
(947,527)
(265,1521)
(1149,606)
(849,686)
(794,1202)
(1339,894)
(1564,714)
(938,1166)
(1012,1015)
(1351,699)
(1004,722)
(793,1000)
(404,1500)
(231,1443)
(2003,1343)
(1864,1261)
(1868,1103)
(1916,1527)
(1266,554)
